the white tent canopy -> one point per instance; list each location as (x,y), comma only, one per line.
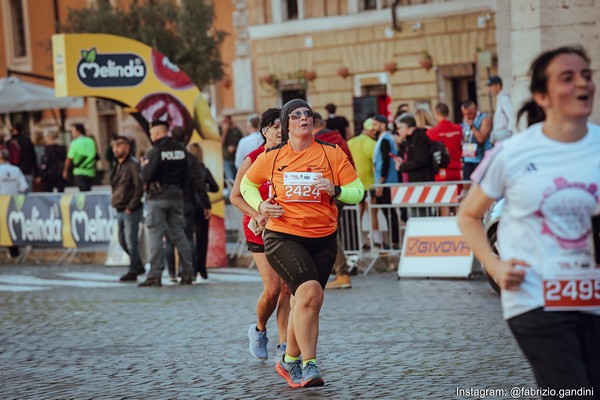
(19,96)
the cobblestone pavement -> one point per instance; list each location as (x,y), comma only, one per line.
(75,333)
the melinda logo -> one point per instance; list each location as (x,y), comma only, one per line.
(436,246)
(110,70)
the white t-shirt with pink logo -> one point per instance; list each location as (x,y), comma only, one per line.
(551,189)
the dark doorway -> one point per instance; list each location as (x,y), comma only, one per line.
(373,100)
(291,94)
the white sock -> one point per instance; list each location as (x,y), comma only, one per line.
(376,237)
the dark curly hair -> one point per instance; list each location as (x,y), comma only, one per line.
(267,119)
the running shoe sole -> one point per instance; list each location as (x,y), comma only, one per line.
(285,375)
(314,382)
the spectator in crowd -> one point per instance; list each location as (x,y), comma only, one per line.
(164,172)
(385,151)
(127,192)
(12,182)
(38,145)
(424,119)
(2,141)
(109,154)
(414,162)
(362,148)
(203,213)
(275,294)
(402,109)
(325,134)
(476,127)
(22,153)
(249,142)
(82,156)
(194,196)
(450,135)
(337,122)
(503,122)
(230,138)
(52,164)
(340,268)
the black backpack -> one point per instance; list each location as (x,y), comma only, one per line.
(439,156)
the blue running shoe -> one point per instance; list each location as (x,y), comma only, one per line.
(280,350)
(311,375)
(290,371)
(258,343)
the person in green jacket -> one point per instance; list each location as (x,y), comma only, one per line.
(82,155)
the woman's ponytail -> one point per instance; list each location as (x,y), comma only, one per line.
(534,112)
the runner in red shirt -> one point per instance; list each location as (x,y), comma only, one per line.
(275,294)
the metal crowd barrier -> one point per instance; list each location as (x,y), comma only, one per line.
(408,200)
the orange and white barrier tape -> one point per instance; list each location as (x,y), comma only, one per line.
(425,194)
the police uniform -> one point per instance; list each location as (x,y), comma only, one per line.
(165,174)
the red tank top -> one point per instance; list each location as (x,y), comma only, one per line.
(264,193)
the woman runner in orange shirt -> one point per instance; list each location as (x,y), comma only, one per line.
(306,176)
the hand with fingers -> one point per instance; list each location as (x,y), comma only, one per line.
(509,274)
(270,210)
(324,185)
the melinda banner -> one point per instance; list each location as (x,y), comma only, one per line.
(151,87)
(55,220)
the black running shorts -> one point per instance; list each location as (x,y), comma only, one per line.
(297,259)
(255,247)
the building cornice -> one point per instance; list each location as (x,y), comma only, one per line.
(370,18)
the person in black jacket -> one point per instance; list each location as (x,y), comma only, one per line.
(165,171)
(127,192)
(22,153)
(194,196)
(52,164)
(203,212)
(414,162)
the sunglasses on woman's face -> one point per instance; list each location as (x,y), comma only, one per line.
(298,114)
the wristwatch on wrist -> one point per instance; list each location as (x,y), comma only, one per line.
(336,191)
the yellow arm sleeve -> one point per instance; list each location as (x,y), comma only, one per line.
(352,193)
(250,192)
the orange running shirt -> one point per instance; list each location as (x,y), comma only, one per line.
(306,212)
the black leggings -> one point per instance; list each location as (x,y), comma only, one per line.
(563,348)
(297,259)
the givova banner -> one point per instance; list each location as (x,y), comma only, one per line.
(57,220)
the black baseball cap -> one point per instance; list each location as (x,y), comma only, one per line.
(158,122)
(494,80)
(380,118)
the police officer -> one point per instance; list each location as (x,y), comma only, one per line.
(194,195)
(165,172)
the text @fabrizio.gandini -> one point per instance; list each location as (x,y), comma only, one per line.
(518,392)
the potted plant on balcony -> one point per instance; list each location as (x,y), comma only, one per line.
(390,67)
(269,81)
(310,75)
(426,60)
(343,72)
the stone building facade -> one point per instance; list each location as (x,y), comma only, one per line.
(353,59)
(343,51)
(349,51)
